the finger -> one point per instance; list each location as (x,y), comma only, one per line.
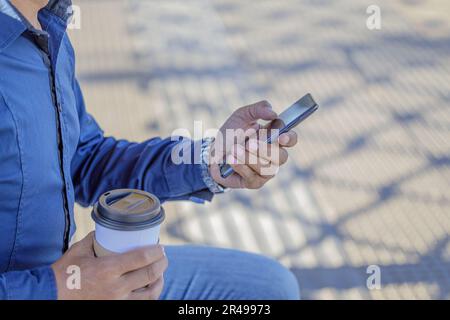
(151,292)
(288,139)
(270,152)
(251,179)
(261,166)
(266,171)
(140,278)
(242,169)
(229,137)
(260,110)
(136,259)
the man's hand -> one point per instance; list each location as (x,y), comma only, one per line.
(112,277)
(254,161)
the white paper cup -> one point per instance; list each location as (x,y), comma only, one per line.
(126,219)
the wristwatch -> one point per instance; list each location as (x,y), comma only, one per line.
(212,185)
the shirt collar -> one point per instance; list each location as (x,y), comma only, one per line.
(8,9)
(13,25)
(60,8)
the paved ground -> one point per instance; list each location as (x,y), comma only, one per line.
(370,181)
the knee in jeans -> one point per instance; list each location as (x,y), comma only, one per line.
(281,284)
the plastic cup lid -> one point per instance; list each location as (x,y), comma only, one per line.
(128,210)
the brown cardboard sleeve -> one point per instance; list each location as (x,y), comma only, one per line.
(100,251)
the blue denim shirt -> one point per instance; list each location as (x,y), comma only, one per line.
(53,154)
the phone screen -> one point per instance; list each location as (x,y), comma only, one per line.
(291,117)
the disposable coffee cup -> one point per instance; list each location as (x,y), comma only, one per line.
(126,219)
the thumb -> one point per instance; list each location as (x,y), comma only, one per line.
(259,110)
(85,246)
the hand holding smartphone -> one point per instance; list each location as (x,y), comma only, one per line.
(287,120)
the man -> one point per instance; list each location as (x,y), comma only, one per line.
(53,153)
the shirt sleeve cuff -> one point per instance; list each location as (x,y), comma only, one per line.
(35,284)
(185,178)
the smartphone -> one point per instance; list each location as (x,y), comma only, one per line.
(287,120)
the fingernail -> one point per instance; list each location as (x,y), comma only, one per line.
(163,250)
(253,145)
(284,139)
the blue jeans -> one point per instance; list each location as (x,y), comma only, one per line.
(204,273)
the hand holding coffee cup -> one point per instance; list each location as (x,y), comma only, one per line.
(110,277)
(122,260)
(126,219)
